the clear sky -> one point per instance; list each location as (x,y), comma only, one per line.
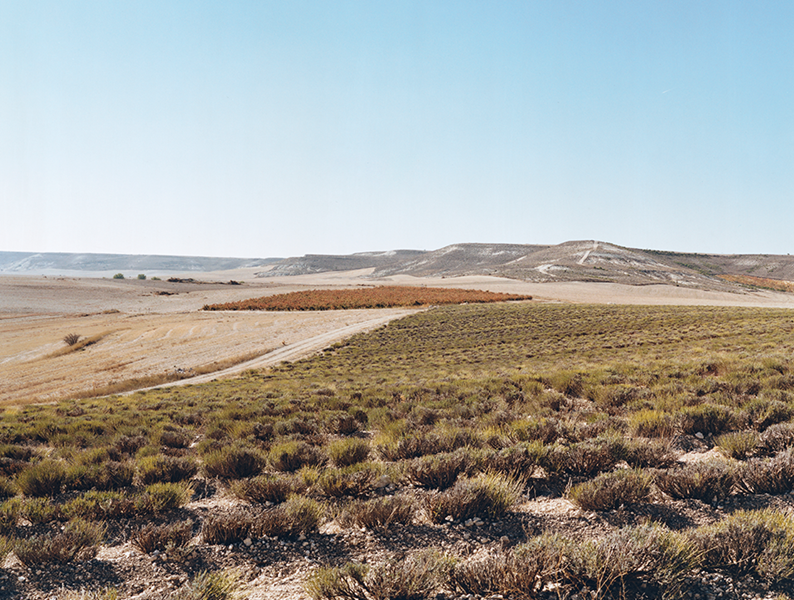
(283,128)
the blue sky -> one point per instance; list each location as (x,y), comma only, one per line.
(284,128)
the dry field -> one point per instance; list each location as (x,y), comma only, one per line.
(146,338)
(551,449)
(153,331)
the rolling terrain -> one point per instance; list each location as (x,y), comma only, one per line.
(574,261)
(66,263)
(586,261)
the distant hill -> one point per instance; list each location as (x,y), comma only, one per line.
(322,263)
(571,261)
(56,262)
(587,260)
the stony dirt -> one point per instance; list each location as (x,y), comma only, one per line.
(276,569)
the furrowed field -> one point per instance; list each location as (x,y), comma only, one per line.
(527,450)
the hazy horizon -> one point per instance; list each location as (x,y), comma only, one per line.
(276,129)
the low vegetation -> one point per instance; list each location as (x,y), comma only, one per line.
(446,430)
(760,282)
(370,297)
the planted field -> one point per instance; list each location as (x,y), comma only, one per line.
(527,450)
(370,297)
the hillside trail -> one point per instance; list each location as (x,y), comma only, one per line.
(586,254)
(291,352)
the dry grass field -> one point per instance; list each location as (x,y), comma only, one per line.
(152,332)
(542,449)
(146,333)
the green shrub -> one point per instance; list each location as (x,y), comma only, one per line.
(414,578)
(338,583)
(409,446)
(118,276)
(747,541)
(506,574)
(378,513)
(109,475)
(166,469)
(651,423)
(648,551)
(141,276)
(267,488)
(303,514)
(777,437)
(569,383)
(42,479)
(530,430)
(439,471)
(228,528)
(234,462)
(487,494)
(708,481)
(175,438)
(343,424)
(355,481)
(706,419)
(164,538)
(611,490)
(291,456)
(348,451)
(40,510)
(298,515)
(16,452)
(7,488)
(584,459)
(737,444)
(775,476)
(764,412)
(160,497)
(223,585)
(649,453)
(9,514)
(127,445)
(100,505)
(11,466)
(78,541)
(296,426)
(456,438)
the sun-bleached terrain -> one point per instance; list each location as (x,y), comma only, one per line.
(153,331)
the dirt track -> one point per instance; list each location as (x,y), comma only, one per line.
(146,334)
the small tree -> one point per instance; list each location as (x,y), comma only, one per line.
(118,276)
(141,276)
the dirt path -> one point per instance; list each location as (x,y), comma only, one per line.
(151,347)
(587,253)
(296,351)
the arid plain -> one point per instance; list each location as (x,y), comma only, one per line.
(562,375)
(154,331)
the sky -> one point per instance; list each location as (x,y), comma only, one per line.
(274,129)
